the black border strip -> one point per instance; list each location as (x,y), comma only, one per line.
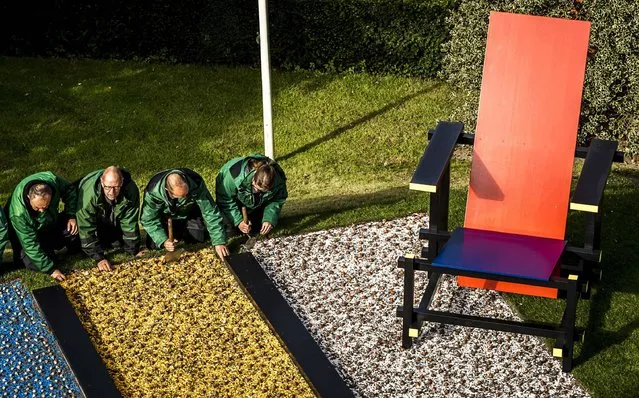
(86,364)
(292,332)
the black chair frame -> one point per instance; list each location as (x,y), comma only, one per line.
(579,265)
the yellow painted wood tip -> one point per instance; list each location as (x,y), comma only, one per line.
(573,277)
(413,332)
(422,187)
(583,207)
(557,352)
(409,255)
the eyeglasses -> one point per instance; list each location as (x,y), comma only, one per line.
(112,188)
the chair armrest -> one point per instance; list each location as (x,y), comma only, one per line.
(436,157)
(464,138)
(582,152)
(592,180)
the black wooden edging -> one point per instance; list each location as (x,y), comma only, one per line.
(299,343)
(86,364)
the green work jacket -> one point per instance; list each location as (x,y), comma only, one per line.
(93,206)
(26,222)
(157,206)
(234,189)
(4,236)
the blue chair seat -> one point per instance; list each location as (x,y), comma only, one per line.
(501,253)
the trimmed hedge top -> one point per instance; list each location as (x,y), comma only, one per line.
(386,36)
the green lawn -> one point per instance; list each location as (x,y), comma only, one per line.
(348,143)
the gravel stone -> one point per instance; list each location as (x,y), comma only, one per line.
(345,285)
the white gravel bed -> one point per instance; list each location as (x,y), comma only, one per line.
(345,285)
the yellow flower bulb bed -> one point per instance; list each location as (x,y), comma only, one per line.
(182,329)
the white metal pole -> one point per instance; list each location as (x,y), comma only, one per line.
(266,79)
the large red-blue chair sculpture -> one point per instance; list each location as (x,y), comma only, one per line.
(513,238)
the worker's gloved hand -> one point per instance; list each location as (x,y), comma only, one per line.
(170,245)
(104,265)
(57,275)
(222,251)
(245,227)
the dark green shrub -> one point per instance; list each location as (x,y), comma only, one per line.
(610,105)
(386,36)
(611,92)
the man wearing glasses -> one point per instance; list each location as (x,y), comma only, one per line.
(182,195)
(108,209)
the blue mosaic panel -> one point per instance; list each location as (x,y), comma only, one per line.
(31,362)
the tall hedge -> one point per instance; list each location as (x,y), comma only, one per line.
(167,30)
(610,106)
(388,36)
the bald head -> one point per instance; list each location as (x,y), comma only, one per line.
(112,180)
(176,185)
(39,196)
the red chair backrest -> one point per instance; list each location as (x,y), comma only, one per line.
(527,125)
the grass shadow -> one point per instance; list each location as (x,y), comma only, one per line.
(338,131)
(341,210)
(73,117)
(607,326)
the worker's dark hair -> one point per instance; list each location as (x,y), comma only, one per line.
(40,191)
(264,176)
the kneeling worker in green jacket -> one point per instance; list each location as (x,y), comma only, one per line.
(108,210)
(257,183)
(182,195)
(36,229)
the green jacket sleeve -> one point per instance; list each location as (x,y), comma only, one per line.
(69,195)
(150,219)
(86,216)
(211,215)
(28,239)
(225,196)
(3,233)
(129,221)
(272,210)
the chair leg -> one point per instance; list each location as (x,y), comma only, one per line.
(409,294)
(587,279)
(569,325)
